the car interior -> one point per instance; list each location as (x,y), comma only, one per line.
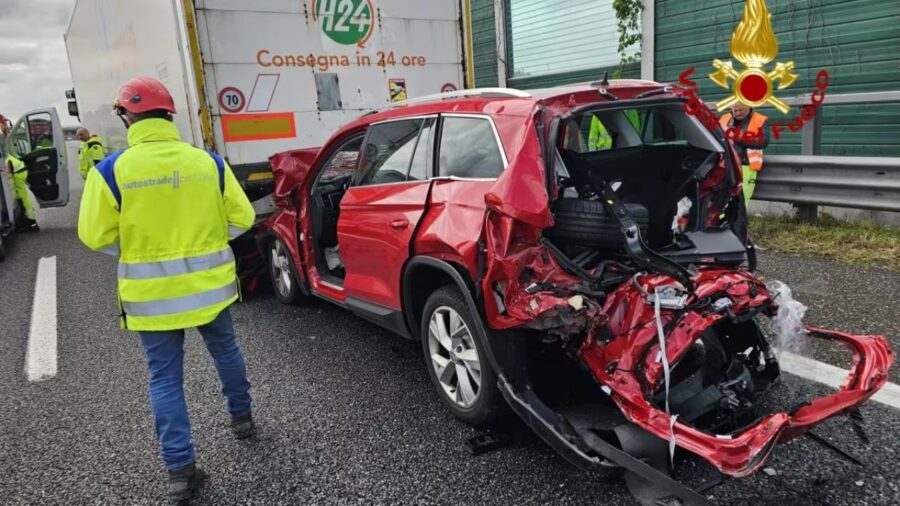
(397,151)
(325,206)
(654,164)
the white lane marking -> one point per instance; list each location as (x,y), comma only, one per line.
(832,376)
(40,356)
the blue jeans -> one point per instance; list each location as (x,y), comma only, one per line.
(165,356)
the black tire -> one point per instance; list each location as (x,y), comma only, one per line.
(2,249)
(488,405)
(283,273)
(583,222)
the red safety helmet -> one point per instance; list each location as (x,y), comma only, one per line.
(142,94)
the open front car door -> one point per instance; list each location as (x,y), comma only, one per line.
(37,140)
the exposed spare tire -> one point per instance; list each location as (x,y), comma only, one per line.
(581,222)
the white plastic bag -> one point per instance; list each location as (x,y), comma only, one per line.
(787,324)
(684,207)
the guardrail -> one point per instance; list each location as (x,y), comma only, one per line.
(810,180)
(841,181)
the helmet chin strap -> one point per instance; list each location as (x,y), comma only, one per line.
(121,115)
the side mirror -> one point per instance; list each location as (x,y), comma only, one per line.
(73,108)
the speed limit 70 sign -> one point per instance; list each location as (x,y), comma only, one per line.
(232,99)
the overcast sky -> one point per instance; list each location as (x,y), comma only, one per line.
(34,70)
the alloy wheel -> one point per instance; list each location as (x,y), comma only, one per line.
(454,356)
(281,269)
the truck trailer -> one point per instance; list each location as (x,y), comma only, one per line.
(251,79)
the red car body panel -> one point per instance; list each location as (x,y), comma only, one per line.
(452,226)
(521,285)
(375,230)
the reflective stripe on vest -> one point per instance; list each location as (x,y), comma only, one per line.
(235,232)
(755,159)
(149,270)
(181,304)
(112,249)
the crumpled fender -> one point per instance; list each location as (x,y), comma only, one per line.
(632,349)
(521,190)
(289,169)
(533,290)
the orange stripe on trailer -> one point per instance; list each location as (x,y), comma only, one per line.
(255,127)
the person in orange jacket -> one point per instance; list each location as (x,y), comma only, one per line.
(751,148)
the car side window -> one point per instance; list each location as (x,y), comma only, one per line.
(20,144)
(420,167)
(388,152)
(469,149)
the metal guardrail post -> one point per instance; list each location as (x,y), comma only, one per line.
(810,145)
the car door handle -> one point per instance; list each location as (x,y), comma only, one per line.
(399,224)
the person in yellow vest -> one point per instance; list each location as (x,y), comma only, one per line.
(599,137)
(91,152)
(19,175)
(167,210)
(751,151)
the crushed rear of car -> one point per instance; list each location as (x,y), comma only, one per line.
(640,269)
(615,284)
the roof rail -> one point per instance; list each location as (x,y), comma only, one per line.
(474,92)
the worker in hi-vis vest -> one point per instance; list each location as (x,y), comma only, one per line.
(751,150)
(167,210)
(18,172)
(91,152)
(599,138)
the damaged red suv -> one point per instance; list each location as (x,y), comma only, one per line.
(578,254)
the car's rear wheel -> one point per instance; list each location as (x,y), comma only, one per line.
(283,273)
(455,359)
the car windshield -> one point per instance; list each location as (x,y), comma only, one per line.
(611,129)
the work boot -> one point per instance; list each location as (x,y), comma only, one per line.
(29,226)
(243,426)
(183,482)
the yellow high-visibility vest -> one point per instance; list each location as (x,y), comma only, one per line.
(598,138)
(91,154)
(167,210)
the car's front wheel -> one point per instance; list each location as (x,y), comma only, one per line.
(283,274)
(455,359)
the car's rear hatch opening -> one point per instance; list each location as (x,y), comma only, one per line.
(669,171)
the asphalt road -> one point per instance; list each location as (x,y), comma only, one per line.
(346,412)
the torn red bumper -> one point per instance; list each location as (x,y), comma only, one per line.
(626,362)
